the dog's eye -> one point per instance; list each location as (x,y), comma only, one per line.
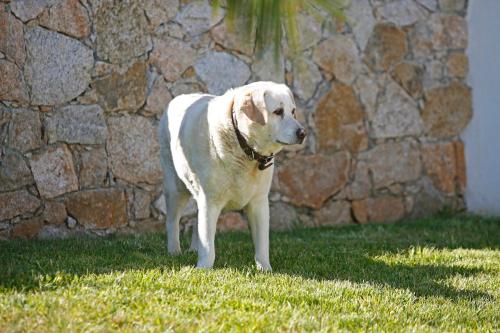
(278,112)
(293,113)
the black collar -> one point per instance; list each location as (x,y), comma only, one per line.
(264,161)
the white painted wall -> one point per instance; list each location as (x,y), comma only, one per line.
(482,136)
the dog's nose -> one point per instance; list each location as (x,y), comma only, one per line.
(301,134)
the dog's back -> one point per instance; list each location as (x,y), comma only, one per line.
(172,118)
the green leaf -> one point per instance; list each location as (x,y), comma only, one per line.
(265,23)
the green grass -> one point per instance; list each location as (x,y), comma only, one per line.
(439,274)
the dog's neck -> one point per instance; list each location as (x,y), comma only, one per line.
(264,161)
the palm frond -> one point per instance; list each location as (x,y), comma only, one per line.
(266,22)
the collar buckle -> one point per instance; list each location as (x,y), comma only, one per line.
(264,165)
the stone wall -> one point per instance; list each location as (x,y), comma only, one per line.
(83,84)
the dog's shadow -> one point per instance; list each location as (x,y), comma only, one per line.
(375,255)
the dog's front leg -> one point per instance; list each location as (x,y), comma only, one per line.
(208,214)
(258,218)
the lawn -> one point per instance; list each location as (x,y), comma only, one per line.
(440,274)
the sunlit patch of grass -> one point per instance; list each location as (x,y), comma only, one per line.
(430,275)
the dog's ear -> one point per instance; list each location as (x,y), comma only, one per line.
(254,107)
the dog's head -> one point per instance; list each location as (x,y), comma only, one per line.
(270,112)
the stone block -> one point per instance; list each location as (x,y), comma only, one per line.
(17,203)
(311,180)
(340,121)
(82,124)
(98,209)
(134,150)
(57,67)
(53,171)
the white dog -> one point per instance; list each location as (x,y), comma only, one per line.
(219,149)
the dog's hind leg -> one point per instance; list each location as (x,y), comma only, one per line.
(175,192)
(176,200)
(194,238)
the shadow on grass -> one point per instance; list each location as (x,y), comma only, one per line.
(421,280)
(350,253)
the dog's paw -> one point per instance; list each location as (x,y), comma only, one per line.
(206,259)
(202,265)
(174,250)
(264,267)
